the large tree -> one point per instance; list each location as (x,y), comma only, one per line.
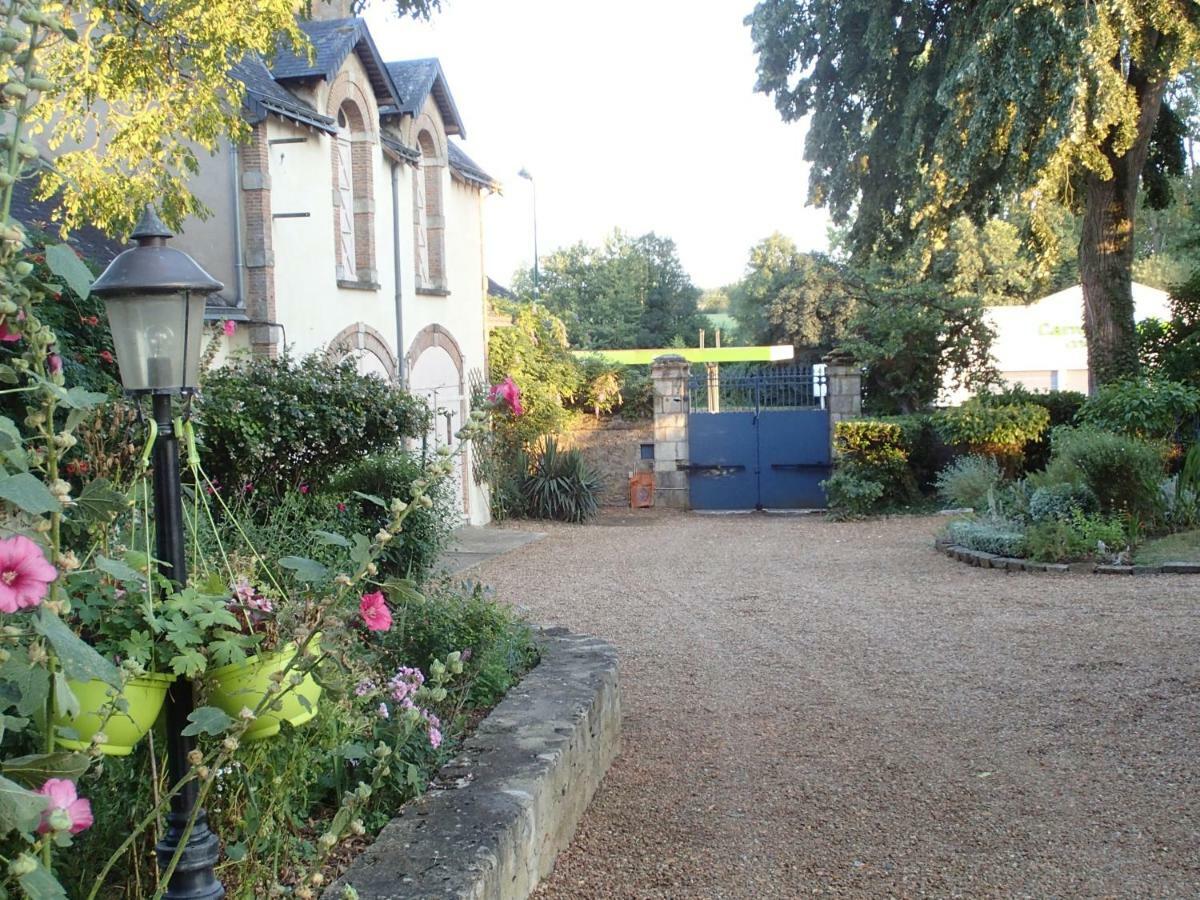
(786,296)
(628,292)
(926,110)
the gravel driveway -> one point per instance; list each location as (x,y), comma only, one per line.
(814,708)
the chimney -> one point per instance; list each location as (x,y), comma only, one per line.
(323,10)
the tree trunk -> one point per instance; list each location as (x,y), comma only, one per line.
(1106,247)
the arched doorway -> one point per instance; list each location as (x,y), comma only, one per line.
(435,373)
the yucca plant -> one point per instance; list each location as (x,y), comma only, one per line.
(559,484)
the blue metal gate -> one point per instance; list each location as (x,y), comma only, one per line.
(758,439)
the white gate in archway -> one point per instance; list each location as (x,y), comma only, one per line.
(435,378)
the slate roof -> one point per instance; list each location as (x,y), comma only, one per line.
(332,42)
(401,149)
(415,80)
(265,95)
(96,246)
(468,169)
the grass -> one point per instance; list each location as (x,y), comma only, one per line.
(1181,547)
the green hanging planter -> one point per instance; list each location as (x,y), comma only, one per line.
(145,696)
(243,685)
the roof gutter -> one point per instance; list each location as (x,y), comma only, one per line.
(401,374)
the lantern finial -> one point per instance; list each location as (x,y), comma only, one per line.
(149,227)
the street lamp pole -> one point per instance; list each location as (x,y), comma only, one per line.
(155,299)
(524,173)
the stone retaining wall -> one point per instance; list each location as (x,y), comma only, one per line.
(613,448)
(992,561)
(510,801)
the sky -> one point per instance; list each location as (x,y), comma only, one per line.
(637,114)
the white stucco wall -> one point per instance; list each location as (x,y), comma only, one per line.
(1042,345)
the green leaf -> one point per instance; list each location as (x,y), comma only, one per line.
(28,493)
(79,660)
(11,723)
(8,375)
(362,549)
(352,751)
(330,537)
(304,569)
(189,663)
(10,436)
(235,852)
(34,770)
(62,261)
(207,720)
(371,498)
(99,501)
(33,682)
(81,398)
(123,573)
(65,700)
(41,885)
(20,809)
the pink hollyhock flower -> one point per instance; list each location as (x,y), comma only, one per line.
(374,612)
(304,488)
(64,798)
(229,327)
(507,392)
(8,336)
(54,363)
(24,574)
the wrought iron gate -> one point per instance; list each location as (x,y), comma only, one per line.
(758,439)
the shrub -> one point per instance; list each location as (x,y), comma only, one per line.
(426,531)
(1123,473)
(993,430)
(969,481)
(874,451)
(998,536)
(278,423)
(1150,409)
(560,485)
(1076,536)
(850,496)
(1061,501)
(927,452)
(1061,405)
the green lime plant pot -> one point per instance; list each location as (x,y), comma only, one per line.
(243,685)
(123,729)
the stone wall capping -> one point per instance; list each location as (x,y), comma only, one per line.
(510,801)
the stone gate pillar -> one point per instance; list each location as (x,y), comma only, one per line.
(843,388)
(670,375)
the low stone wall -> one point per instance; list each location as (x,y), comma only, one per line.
(613,448)
(512,799)
(991,561)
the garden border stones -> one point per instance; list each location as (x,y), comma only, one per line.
(502,809)
(991,561)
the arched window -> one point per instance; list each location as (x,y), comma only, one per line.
(429,220)
(344,162)
(353,217)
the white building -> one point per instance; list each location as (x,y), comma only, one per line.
(352,223)
(1042,345)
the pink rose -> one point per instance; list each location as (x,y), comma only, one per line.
(229,327)
(24,574)
(374,612)
(64,798)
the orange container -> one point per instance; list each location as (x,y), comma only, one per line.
(641,490)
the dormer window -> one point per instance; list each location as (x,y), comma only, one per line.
(352,198)
(429,220)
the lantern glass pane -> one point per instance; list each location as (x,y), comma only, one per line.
(158,338)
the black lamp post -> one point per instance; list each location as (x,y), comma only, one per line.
(524,173)
(155,298)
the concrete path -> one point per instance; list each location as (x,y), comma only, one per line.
(814,708)
(473,544)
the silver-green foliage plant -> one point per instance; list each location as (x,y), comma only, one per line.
(1061,501)
(998,536)
(968,481)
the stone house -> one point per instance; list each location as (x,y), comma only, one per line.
(352,223)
